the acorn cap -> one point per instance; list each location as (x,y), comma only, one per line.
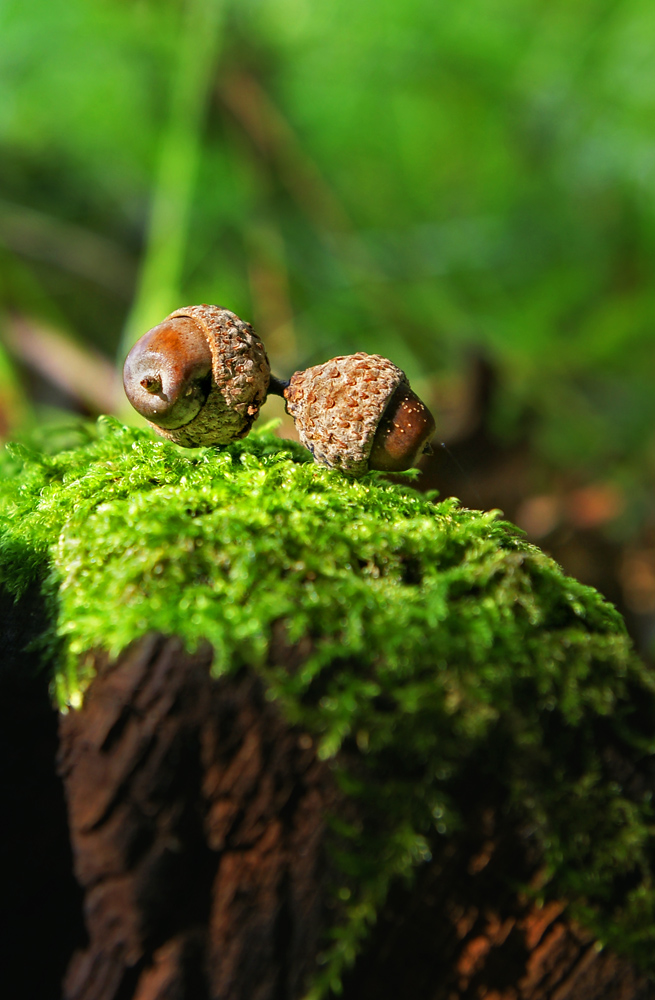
(337,407)
(240,377)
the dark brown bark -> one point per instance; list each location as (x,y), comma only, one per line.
(464,932)
(41,909)
(199,834)
(197,821)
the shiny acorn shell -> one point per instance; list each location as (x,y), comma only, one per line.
(217,395)
(357,412)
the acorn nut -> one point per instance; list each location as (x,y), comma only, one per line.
(358,413)
(199,377)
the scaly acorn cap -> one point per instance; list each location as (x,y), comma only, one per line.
(199,377)
(357,413)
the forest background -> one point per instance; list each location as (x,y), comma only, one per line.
(466,188)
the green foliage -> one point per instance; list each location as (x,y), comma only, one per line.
(426,181)
(438,639)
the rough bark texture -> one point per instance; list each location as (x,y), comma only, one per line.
(197,822)
(465,933)
(198,827)
(41,902)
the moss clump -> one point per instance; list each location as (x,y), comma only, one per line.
(438,637)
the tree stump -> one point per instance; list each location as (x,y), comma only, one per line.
(197,822)
(195,829)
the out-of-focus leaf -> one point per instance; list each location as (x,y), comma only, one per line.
(67,246)
(180,150)
(426,182)
(82,373)
(15,409)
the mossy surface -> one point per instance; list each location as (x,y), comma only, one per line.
(436,635)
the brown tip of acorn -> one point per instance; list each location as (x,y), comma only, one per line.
(403,433)
(166,374)
(151,383)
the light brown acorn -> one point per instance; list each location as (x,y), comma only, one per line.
(199,377)
(358,413)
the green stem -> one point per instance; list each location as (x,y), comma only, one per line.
(159,284)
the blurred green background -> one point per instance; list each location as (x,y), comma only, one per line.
(467,188)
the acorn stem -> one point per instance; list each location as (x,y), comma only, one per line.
(276,386)
(151,383)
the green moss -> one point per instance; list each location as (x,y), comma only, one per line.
(439,637)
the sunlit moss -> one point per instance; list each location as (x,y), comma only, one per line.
(437,636)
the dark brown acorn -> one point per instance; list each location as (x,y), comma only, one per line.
(199,377)
(358,413)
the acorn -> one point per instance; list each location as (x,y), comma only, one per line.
(358,413)
(199,377)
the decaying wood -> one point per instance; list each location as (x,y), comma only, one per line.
(198,825)
(464,932)
(197,821)
(41,903)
